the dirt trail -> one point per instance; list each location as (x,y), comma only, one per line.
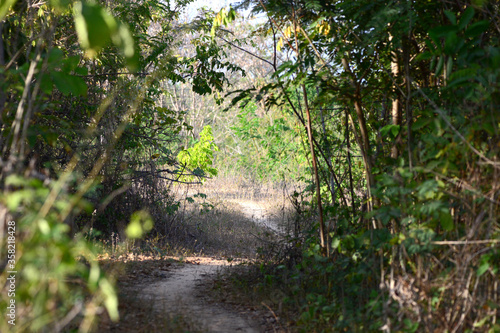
(177,295)
(257,213)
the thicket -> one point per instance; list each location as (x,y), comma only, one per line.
(88,150)
(387,110)
(398,102)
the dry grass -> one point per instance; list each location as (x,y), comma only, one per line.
(222,230)
(210,223)
(224,188)
(213,221)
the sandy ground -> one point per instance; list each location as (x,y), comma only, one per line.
(257,213)
(177,295)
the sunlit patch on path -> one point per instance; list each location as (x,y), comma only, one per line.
(257,213)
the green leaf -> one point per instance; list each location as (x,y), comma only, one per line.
(451,42)
(466,17)
(14,200)
(56,56)
(395,130)
(451,17)
(420,123)
(4,7)
(110,298)
(81,70)
(483,268)
(477,28)
(449,66)
(335,243)
(441,31)
(69,84)
(46,84)
(462,75)
(446,220)
(424,56)
(411,327)
(124,40)
(94,26)
(392,129)
(44,227)
(439,67)
(140,223)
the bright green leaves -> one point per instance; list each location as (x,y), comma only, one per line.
(446,220)
(96,28)
(28,192)
(428,189)
(390,130)
(140,224)
(123,39)
(489,261)
(199,158)
(413,204)
(50,257)
(269,146)
(110,298)
(5,6)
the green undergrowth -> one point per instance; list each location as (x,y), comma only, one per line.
(370,280)
(315,295)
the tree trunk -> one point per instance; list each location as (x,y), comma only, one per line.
(396,100)
(362,139)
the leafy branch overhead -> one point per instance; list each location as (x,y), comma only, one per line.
(96,28)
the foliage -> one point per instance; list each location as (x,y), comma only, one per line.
(85,144)
(51,265)
(199,157)
(380,80)
(387,110)
(272,147)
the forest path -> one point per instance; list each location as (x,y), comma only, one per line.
(179,291)
(256,212)
(178,295)
(182,292)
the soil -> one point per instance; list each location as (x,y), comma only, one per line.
(178,295)
(256,212)
(156,293)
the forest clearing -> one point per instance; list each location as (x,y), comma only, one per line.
(252,166)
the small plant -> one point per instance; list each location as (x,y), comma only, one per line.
(199,158)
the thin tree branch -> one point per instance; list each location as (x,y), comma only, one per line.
(246,51)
